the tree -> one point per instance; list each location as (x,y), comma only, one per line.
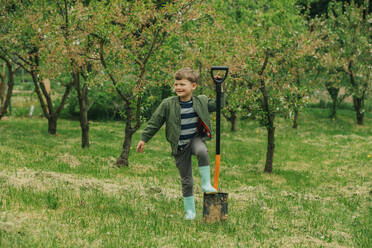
(6,85)
(129,36)
(332,72)
(333,78)
(348,30)
(208,40)
(7,80)
(270,49)
(27,42)
(75,41)
(305,76)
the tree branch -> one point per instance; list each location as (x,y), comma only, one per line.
(37,89)
(65,95)
(138,114)
(23,59)
(265,63)
(113,80)
(146,59)
(265,102)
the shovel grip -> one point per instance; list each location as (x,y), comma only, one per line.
(219,68)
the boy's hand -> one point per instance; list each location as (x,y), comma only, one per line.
(140,146)
(218,78)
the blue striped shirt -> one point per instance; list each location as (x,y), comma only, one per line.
(189,123)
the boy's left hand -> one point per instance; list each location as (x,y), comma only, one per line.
(218,78)
(140,146)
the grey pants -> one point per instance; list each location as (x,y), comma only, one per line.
(198,148)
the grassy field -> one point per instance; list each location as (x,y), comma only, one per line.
(54,194)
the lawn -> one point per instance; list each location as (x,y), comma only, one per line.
(54,194)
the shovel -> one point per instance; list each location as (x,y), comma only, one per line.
(215,205)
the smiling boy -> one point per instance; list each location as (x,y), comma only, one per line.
(187,128)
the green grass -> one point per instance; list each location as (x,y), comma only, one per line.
(54,194)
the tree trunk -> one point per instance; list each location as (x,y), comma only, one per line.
(123,159)
(84,118)
(129,130)
(44,104)
(3,109)
(233,120)
(82,94)
(22,75)
(270,116)
(47,104)
(52,124)
(295,117)
(358,103)
(270,147)
(333,92)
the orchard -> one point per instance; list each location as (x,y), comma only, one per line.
(82,82)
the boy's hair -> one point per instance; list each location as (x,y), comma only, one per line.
(187,73)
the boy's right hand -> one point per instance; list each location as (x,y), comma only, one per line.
(140,146)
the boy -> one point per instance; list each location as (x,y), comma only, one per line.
(187,127)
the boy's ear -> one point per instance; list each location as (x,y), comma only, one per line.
(194,85)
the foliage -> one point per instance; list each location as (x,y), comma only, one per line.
(348,49)
(29,43)
(270,51)
(129,37)
(281,37)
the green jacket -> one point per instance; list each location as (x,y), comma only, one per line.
(169,111)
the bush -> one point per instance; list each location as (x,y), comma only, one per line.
(106,104)
(103,105)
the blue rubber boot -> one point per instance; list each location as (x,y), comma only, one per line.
(189,205)
(205,175)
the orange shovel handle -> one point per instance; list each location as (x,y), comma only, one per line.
(216,171)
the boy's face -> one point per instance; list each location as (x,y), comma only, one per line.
(184,89)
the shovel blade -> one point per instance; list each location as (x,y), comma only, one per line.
(215,207)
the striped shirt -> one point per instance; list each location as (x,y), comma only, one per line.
(189,123)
